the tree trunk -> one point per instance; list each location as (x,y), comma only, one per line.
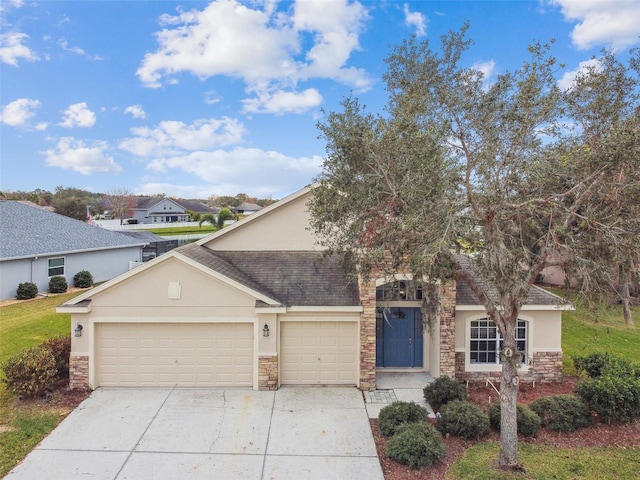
(625,296)
(508,401)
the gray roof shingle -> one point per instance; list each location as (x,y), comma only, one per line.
(26,231)
(290,277)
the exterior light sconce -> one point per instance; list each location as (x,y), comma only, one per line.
(78,330)
(265,330)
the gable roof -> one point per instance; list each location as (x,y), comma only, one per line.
(293,278)
(28,231)
(147,203)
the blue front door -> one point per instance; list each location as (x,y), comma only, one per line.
(399,340)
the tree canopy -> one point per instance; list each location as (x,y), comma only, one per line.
(516,172)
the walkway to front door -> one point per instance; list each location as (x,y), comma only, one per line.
(399,339)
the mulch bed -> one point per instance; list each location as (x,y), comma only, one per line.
(598,435)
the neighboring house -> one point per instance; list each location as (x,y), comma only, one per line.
(159,210)
(258,304)
(246,208)
(36,244)
(196,206)
(155,244)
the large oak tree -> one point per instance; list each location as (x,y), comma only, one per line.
(516,172)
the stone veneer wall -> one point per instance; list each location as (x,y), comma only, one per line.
(447,313)
(78,372)
(268,372)
(547,368)
(368,335)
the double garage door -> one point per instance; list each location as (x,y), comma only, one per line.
(221,355)
(165,354)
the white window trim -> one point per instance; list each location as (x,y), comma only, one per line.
(64,267)
(494,367)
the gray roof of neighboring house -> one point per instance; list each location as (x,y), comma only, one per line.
(290,277)
(26,231)
(464,295)
(197,206)
(144,236)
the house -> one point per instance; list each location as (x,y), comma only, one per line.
(37,244)
(155,244)
(258,304)
(159,210)
(246,208)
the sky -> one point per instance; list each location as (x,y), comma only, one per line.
(193,99)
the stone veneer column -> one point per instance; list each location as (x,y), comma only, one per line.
(268,372)
(368,335)
(78,372)
(447,312)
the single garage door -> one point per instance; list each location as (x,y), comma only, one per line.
(319,353)
(167,354)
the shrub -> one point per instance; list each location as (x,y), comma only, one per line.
(398,413)
(600,364)
(463,419)
(58,284)
(32,372)
(562,413)
(528,421)
(614,399)
(60,348)
(443,390)
(416,445)
(26,291)
(83,279)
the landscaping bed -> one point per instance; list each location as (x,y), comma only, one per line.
(598,435)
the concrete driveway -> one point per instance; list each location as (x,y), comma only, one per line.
(293,433)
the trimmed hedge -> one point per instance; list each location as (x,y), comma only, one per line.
(83,279)
(562,413)
(26,291)
(602,364)
(416,445)
(396,414)
(611,398)
(58,284)
(443,390)
(529,422)
(31,373)
(463,419)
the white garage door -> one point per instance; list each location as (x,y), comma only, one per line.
(319,353)
(167,354)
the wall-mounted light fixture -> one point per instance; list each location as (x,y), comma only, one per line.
(265,330)
(78,330)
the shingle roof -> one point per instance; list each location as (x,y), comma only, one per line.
(291,278)
(464,295)
(145,203)
(26,231)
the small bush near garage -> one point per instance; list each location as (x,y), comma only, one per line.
(60,348)
(529,422)
(613,399)
(416,445)
(58,284)
(31,373)
(463,419)
(562,413)
(601,364)
(443,390)
(26,291)
(393,416)
(83,279)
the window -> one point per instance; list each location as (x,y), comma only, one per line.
(56,266)
(399,290)
(486,341)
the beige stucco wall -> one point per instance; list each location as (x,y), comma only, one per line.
(284,228)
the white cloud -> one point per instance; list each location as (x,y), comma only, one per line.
(72,154)
(283,102)
(416,20)
(174,137)
(568,79)
(18,112)
(78,115)
(211,97)
(136,111)
(602,23)
(77,50)
(487,69)
(12,48)
(260,171)
(263,47)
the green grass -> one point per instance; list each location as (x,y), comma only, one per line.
(205,228)
(546,462)
(23,325)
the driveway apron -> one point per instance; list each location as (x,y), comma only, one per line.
(292,433)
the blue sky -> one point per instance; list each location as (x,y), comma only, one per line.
(194,99)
